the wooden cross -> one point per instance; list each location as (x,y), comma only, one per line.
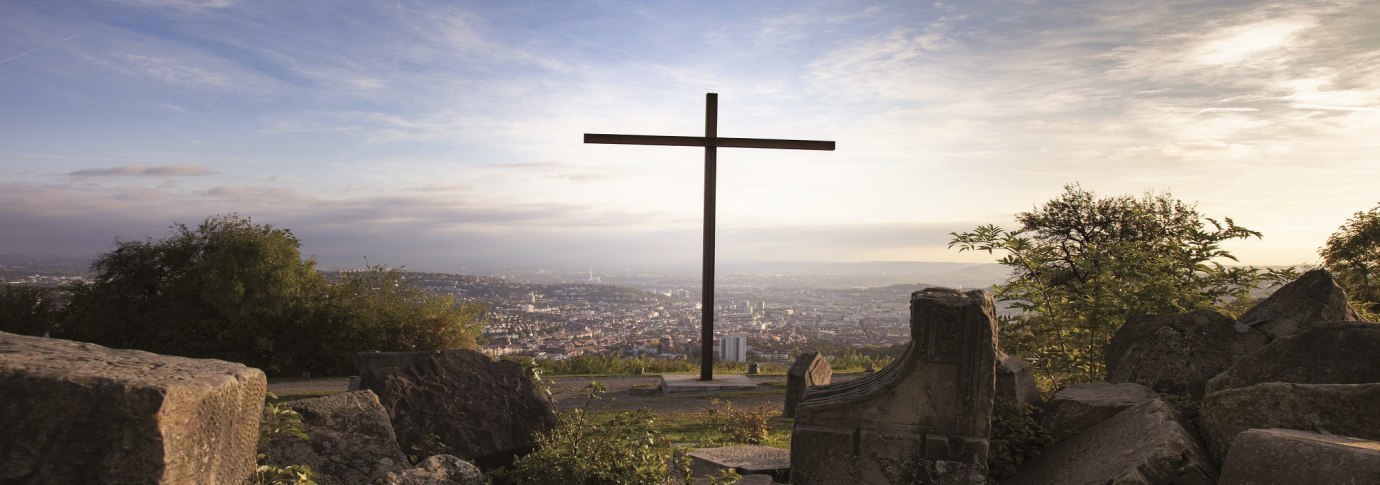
(710,141)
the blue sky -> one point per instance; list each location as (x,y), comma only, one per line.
(422,132)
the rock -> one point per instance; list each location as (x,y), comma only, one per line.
(924,418)
(74,412)
(1145,444)
(1261,456)
(1077,407)
(374,360)
(1178,353)
(1326,353)
(1314,297)
(1016,382)
(351,439)
(436,470)
(744,459)
(1344,409)
(809,370)
(463,403)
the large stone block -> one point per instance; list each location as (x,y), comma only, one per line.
(73,412)
(351,441)
(1077,407)
(436,470)
(1016,382)
(1326,353)
(1314,297)
(463,403)
(924,418)
(743,459)
(1344,409)
(1145,444)
(809,370)
(373,360)
(1178,353)
(1285,456)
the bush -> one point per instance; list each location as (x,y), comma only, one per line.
(738,426)
(1016,437)
(279,420)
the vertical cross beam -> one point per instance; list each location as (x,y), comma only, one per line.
(711,142)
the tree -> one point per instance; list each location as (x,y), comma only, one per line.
(1082,265)
(27,310)
(227,289)
(1352,255)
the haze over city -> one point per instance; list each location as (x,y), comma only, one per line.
(430,133)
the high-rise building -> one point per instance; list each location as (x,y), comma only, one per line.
(733,348)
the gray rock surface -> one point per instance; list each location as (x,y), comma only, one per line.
(1016,382)
(1325,353)
(1078,407)
(74,412)
(809,370)
(744,459)
(1144,444)
(1264,456)
(1314,297)
(1344,409)
(1178,353)
(463,403)
(351,439)
(436,470)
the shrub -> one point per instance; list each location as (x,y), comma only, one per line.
(279,420)
(1016,437)
(737,426)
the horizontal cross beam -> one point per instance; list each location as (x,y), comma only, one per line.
(699,141)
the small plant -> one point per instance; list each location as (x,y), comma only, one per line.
(279,420)
(430,446)
(738,425)
(1016,437)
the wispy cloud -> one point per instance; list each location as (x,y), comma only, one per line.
(140,170)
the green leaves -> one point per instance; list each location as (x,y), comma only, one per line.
(1082,265)
(1352,255)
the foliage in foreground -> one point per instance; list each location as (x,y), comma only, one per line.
(28,310)
(1352,255)
(1082,265)
(1016,437)
(235,290)
(737,426)
(279,420)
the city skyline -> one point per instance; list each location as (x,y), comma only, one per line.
(416,133)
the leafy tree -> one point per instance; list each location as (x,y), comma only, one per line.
(227,289)
(28,310)
(1352,255)
(1082,265)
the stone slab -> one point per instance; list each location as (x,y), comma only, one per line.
(1267,456)
(1342,409)
(691,383)
(744,459)
(1077,407)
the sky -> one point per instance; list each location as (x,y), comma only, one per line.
(429,134)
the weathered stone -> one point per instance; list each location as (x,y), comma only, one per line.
(73,412)
(1344,409)
(1178,353)
(1326,353)
(924,418)
(1314,297)
(1144,444)
(1262,456)
(1016,382)
(1077,407)
(743,459)
(373,360)
(436,470)
(463,403)
(809,370)
(755,479)
(351,439)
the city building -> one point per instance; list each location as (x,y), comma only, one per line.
(733,348)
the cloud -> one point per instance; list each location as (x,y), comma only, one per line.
(140,170)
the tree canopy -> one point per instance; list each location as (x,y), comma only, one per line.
(1352,255)
(1082,265)
(235,290)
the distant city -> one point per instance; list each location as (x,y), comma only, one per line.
(759,317)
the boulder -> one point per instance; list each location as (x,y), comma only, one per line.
(1016,382)
(1326,353)
(1077,407)
(743,459)
(74,412)
(1144,444)
(1314,297)
(1261,456)
(351,439)
(436,470)
(463,403)
(374,360)
(1178,353)
(1345,409)
(809,370)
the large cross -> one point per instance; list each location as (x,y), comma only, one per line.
(710,141)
